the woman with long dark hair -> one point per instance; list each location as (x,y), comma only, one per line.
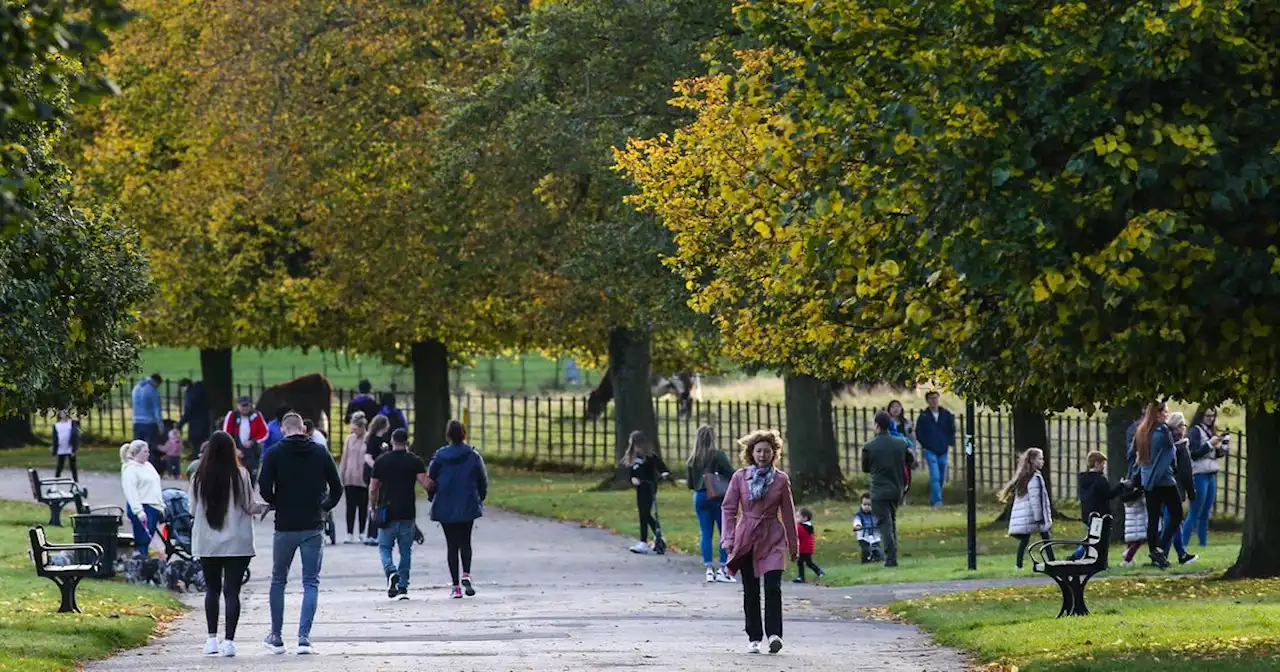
(222,534)
(458,484)
(1207,446)
(1153,459)
(375,442)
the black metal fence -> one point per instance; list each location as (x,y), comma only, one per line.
(554,429)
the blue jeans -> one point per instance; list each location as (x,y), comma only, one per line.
(1198,519)
(937,475)
(144,531)
(1177,544)
(283,547)
(708,511)
(397,533)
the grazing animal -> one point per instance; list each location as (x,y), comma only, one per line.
(680,385)
(310,396)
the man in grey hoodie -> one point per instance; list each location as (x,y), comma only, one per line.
(294,479)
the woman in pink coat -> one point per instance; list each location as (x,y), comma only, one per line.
(757,541)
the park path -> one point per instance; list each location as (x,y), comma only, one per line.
(552,596)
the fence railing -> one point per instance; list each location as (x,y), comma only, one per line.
(555,429)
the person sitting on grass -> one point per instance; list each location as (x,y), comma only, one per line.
(804,531)
(867,529)
(1095,494)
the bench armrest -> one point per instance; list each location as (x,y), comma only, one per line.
(74,547)
(1037,549)
(57,481)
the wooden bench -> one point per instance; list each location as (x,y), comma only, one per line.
(56,493)
(65,577)
(1073,575)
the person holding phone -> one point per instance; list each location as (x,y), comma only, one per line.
(1206,446)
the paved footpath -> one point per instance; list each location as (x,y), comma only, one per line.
(552,596)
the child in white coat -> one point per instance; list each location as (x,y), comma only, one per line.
(1032,512)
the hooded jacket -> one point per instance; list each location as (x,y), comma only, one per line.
(300,480)
(461,484)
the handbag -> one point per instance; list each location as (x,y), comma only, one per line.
(717,484)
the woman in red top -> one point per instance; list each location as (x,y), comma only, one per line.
(804,531)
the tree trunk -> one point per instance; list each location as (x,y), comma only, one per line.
(813,459)
(430,396)
(219,389)
(629,359)
(1118,421)
(1260,545)
(15,432)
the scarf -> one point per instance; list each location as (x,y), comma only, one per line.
(758,482)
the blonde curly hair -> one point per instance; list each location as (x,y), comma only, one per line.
(752,438)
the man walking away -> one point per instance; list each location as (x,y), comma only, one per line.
(394,475)
(886,458)
(293,481)
(148,419)
(936,432)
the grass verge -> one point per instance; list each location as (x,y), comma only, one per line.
(89,458)
(37,638)
(1136,624)
(932,541)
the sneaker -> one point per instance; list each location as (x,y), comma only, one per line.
(392,591)
(890,563)
(211,646)
(1160,561)
(641,548)
(467,587)
(711,575)
(274,643)
(304,647)
(1127,563)
(753,647)
(370,542)
(228,649)
(724,577)
(457,593)
(775,644)
(797,580)
(349,539)
(402,594)
(1188,559)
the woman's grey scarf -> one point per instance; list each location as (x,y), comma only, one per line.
(758,481)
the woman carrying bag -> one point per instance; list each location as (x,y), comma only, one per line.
(708,478)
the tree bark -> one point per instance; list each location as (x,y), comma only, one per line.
(1260,546)
(219,389)
(15,431)
(813,458)
(629,362)
(430,396)
(1118,421)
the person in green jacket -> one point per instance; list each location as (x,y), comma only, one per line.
(887,459)
(708,478)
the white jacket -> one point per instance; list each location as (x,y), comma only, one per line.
(141,486)
(1135,521)
(1032,513)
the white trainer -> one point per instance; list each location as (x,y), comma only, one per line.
(641,548)
(775,643)
(228,649)
(724,577)
(211,646)
(711,575)
(753,647)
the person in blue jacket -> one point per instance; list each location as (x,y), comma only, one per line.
(1152,458)
(458,484)
(274,433)
(936,433)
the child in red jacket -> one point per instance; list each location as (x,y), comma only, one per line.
(804,531)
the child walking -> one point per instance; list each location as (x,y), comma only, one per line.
(867,528)
(1135,522)
(647,468)
(1095,493)
(172,450)
(804,532)
(1032,513)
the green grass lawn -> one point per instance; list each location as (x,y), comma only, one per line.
(89,458)
(1136,624)
(932,541)
(34,637)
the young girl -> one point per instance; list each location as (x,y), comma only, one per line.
(1032,512)
(172,450)
(804,532)
(647,468)
(1135,523)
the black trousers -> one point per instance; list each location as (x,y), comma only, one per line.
(1157,498)
(806,560)
(75,475)
(756,631)
(644,503)
(223,576)
(457,539)
(357,497)
(1023,541)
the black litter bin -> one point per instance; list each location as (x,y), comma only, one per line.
(100,529)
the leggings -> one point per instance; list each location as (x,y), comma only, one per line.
(644,502)
(357,505)
(1132,550)
(1158,498)
(223,575)
(457,537)
(75,475)
(1023,540)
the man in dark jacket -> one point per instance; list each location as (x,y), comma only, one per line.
(936,432)
(887,459)
(195,414)
(363,402)
(294,480)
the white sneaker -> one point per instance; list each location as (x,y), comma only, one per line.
(711,575)
(1127,563)
(304,647)
(641,548)
(753,647)
(775,644)
(724,577)
(228,649)
(211,646)
(350,539)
